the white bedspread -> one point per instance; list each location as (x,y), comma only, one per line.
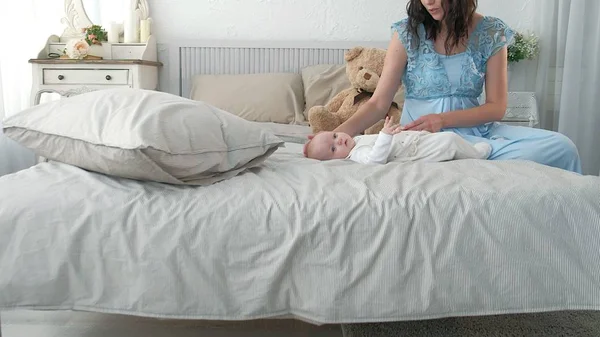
(328,242)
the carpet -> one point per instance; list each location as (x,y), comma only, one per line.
(559,324)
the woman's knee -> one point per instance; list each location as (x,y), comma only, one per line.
(556,150)
(542,146)
(564,147)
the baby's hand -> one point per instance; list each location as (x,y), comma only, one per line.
(390,129)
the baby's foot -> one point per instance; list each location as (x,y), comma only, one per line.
(484,149)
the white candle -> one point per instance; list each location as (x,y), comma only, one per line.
(136,18)
(130,28)
(113,32)
(145,30)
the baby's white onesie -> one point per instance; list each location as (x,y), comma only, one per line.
(415,145)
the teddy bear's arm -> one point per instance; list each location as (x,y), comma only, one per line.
(336,102)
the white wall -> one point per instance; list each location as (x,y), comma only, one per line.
(326,20)
(315,20)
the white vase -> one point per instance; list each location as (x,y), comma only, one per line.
(96,50)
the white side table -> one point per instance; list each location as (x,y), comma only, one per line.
(521,109)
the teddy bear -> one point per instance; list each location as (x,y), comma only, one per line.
(363,68)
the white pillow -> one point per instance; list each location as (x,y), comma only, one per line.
(144,135)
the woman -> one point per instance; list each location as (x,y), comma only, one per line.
(444,53)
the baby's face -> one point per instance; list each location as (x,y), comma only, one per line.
(330,145)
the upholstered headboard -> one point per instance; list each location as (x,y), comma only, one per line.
(185,59)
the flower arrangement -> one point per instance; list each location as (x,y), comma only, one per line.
(524,47)
(77,49)
(95,34)
(88,44)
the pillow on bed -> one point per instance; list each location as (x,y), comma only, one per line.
(289,133)
(144,135)
(321,83)
(268,97)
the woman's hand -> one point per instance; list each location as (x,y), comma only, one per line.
(431,123)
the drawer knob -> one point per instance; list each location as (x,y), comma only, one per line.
(61,77)
(108,77)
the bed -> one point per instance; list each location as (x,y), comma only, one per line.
(324,243)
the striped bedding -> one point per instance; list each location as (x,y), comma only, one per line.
(333,242)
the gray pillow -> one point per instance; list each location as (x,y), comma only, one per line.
(268,97)
(144,135)
(322,82)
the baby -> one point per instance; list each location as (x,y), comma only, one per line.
(393,144)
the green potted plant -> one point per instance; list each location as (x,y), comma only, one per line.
(524,47)
(94,36)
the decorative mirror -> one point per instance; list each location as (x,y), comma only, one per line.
(81,14)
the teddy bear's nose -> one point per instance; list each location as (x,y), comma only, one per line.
(367,76)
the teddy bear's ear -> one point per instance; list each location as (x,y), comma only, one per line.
(353,53)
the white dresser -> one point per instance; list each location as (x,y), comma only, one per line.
(130,66)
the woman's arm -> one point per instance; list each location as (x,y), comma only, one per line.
(494,108)
(379,104)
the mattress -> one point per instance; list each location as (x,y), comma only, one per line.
(326,242)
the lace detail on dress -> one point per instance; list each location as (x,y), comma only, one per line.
(425,76)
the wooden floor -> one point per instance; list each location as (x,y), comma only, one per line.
(79,324)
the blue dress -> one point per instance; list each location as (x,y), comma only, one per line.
(435,83)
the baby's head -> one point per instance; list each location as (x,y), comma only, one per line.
(329,145)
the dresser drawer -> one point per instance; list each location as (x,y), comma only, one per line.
(86,76)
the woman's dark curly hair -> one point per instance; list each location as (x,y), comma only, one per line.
(458,15)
